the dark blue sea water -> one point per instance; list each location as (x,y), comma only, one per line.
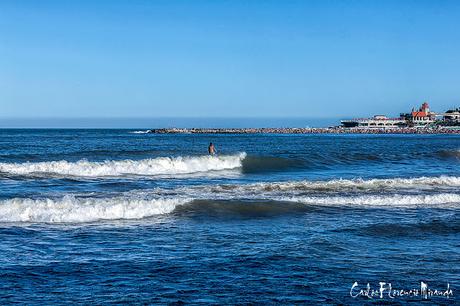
(113,216)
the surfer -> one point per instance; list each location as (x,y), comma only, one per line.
(211,149)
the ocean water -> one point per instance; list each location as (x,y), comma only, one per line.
(122,216)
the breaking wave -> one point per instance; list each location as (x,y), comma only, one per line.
(396,200)
(153,166)
(260,199)
(70,209)
(140,132)
(78,210)
(344,185)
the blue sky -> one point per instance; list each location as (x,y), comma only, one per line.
(227,58)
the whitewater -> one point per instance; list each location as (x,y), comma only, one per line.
(147,203)
(151,166)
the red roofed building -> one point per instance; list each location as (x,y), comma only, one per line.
(422,116)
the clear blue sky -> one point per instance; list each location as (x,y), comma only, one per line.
(227,58)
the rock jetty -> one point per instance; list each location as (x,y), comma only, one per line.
(329,130)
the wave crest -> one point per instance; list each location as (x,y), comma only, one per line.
(395,200)
(70,209)
(153,166)
(76,210)
(344,185)
(251,199)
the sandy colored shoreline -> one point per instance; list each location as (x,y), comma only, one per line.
(338,130)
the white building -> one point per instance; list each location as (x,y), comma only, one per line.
(378,121)
(452,116)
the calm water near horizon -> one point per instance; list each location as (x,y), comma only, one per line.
(162,122)
(120,216)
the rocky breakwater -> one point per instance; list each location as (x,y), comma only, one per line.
(307,130)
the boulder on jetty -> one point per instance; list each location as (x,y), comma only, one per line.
(307,130)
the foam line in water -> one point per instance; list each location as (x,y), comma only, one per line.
(153,166)
(78,210)
(145,203)
(70,209)
(443,200)
(344,184)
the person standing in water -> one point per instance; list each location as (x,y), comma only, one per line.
(211,149)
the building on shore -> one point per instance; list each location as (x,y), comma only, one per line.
(451,117)
(378,121)
(421,117)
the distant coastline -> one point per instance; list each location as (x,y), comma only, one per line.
(418,121)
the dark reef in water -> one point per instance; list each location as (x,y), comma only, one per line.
(307,130)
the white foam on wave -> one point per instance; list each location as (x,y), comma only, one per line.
(375,192)
(344,185)
(140,132)
(153,166)
(77,210)
(138,204)
(394,200)
(70,209)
